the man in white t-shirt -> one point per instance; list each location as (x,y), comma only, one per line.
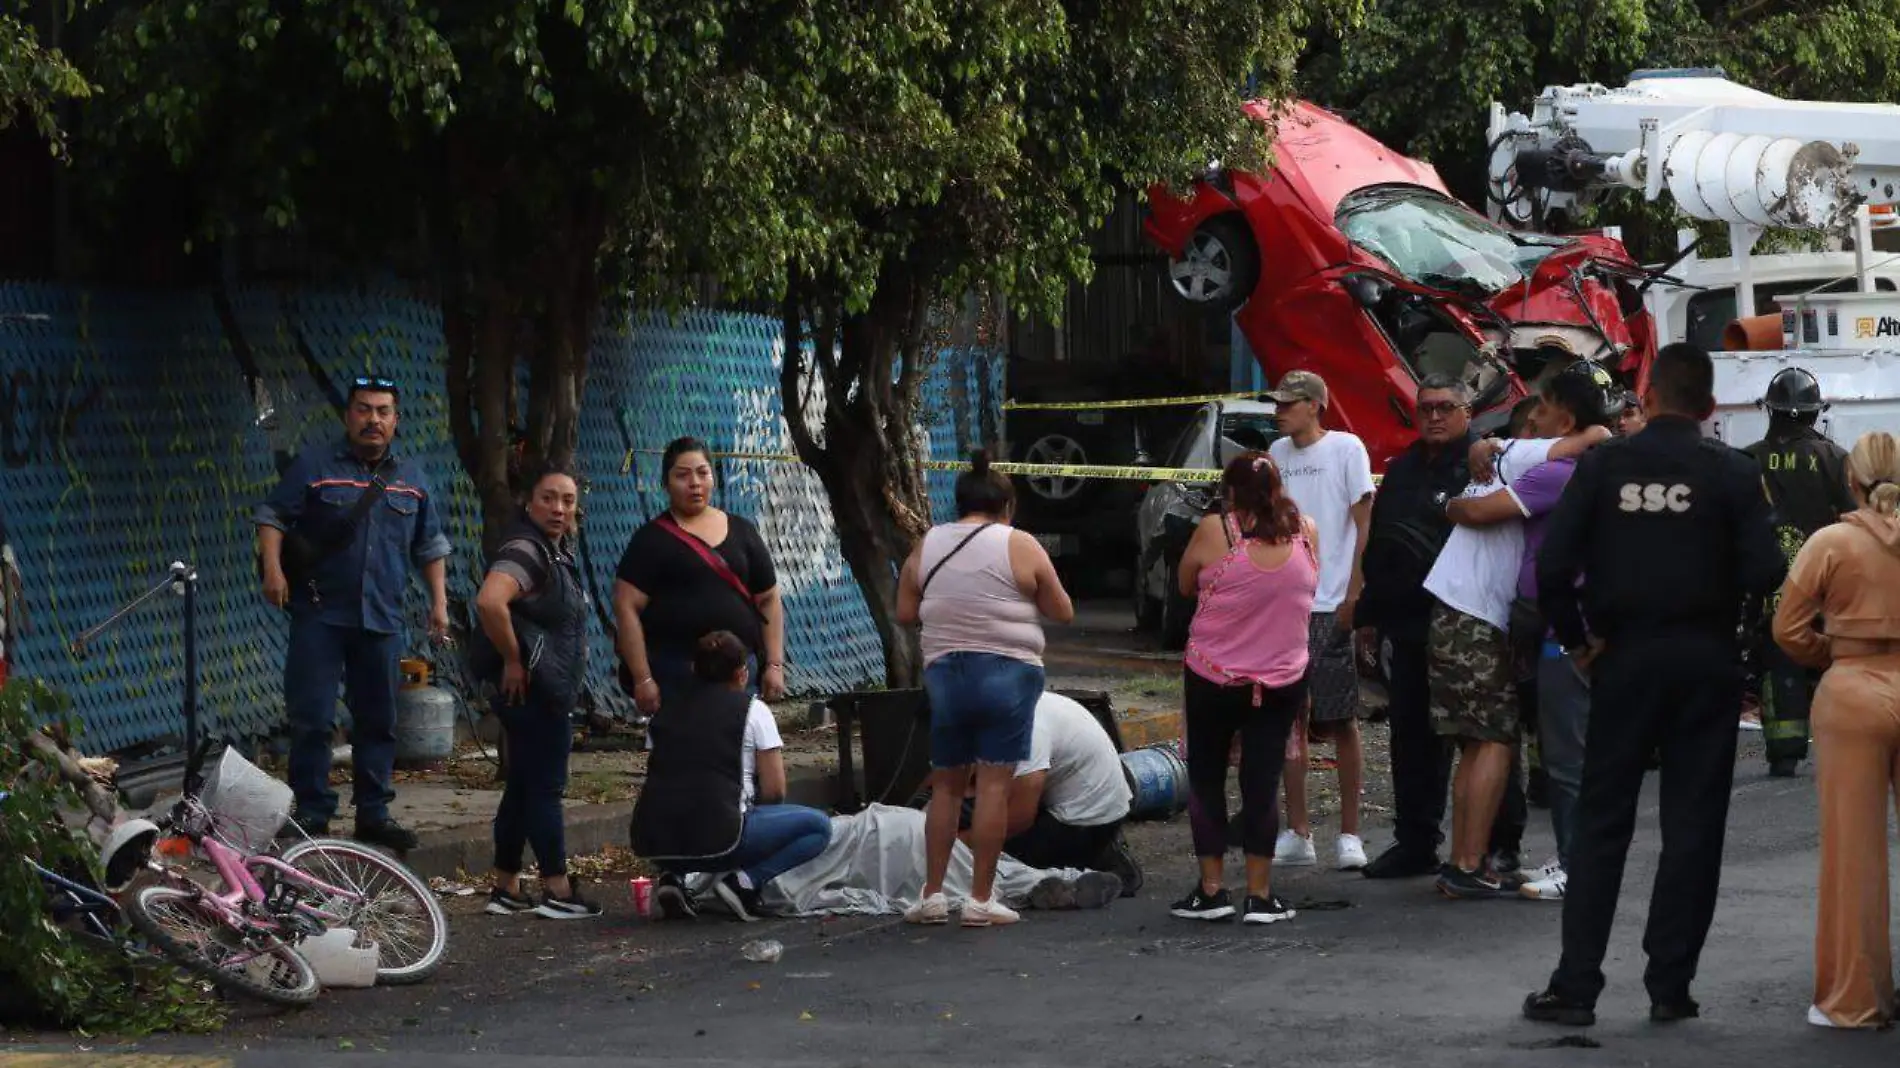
(1068,800)
(1329,475)
(1473,678)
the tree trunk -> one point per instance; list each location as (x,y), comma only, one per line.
(497,303)
(867,452)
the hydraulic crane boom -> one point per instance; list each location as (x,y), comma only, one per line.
(1723,151)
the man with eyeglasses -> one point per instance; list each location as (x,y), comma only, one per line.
(336,540)
(1409,528)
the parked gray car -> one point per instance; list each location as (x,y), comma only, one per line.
(1169,510)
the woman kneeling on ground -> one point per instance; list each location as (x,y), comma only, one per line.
(715,790)
(533,614)
(1254,569)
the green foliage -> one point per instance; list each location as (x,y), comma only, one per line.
(34,78)
(48,974)
(1422,75)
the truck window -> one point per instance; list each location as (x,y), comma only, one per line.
(1712,310)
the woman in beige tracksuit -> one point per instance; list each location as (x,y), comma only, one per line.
(1849,575)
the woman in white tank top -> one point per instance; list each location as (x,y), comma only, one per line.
(980,589)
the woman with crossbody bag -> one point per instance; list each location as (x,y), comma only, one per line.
(1254,570)
(693,570)
(979,588)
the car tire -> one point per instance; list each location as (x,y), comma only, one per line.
(1176,611)
(1220,266)
(1057,495)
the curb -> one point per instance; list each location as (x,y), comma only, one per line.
(1149,728)
(471,847)
(590,829)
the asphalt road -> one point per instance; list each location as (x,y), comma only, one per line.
(1397,976)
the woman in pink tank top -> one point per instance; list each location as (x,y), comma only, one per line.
(1253,570)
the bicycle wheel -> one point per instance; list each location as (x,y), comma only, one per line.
(394,908)
(259,965)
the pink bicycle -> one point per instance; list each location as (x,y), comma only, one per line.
(242,934)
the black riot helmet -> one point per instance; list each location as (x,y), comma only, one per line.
(1593,380)
(1794,391)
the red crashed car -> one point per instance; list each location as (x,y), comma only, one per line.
(1352,261)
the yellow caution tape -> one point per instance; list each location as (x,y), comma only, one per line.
(1138,402)
(1131,473)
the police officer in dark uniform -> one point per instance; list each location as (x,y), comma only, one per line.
(1805,477)
(1669,532)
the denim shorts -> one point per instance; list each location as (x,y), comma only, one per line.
(982,709)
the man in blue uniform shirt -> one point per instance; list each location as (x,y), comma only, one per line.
(336,540)
(1670,535)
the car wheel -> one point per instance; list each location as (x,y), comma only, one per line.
(1058,493)
(1176,611)
(1220,265)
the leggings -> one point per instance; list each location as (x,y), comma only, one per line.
(1215,713)
(540,736)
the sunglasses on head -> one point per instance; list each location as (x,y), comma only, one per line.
(372,382)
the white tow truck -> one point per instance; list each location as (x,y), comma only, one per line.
(1728,153)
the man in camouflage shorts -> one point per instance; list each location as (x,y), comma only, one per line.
(1469,654)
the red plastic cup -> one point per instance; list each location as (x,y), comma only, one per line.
(642,891)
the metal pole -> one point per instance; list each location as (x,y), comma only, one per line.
(189,578)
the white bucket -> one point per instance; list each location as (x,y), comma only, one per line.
(338,960)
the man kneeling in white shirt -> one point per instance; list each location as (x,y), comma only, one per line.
(1068,800)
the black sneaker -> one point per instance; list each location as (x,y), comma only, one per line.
(1269,909)
(671,898)
(1401,861)
(1201,905)
(571,907)
(296,830)
(1547,1007)
(1120,861)
(503,903)
(743,902)
(1095,889)
(1673,1011)
(388,833)
(1457,883)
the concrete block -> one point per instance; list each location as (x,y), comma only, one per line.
(1140,729)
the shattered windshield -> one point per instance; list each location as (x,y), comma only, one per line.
(1437,242)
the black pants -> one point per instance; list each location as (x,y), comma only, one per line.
(1214,714)
(540,737)
(1676,690)
(1422,760)
(1787,693)
(1051,843)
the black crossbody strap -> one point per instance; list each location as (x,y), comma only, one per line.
(946,556)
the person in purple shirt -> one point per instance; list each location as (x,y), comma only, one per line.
(1570,401)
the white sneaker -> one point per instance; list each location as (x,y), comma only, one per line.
(933,909)
(1546,886)
(1818,1018)
(1295,850)
(990,913)
(1352,852)
(1551,867)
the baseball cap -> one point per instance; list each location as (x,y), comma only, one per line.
(1299,386)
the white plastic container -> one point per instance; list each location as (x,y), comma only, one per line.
(338,960)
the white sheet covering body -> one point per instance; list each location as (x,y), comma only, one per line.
(874,866)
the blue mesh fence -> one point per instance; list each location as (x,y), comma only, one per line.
(133,434)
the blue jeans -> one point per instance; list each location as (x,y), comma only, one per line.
(776,839)
(319,654)
(1563,715)
(540,736)
(982,709)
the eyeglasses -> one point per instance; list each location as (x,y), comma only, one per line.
(1438,408)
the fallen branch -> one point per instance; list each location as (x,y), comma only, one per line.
(90,776)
